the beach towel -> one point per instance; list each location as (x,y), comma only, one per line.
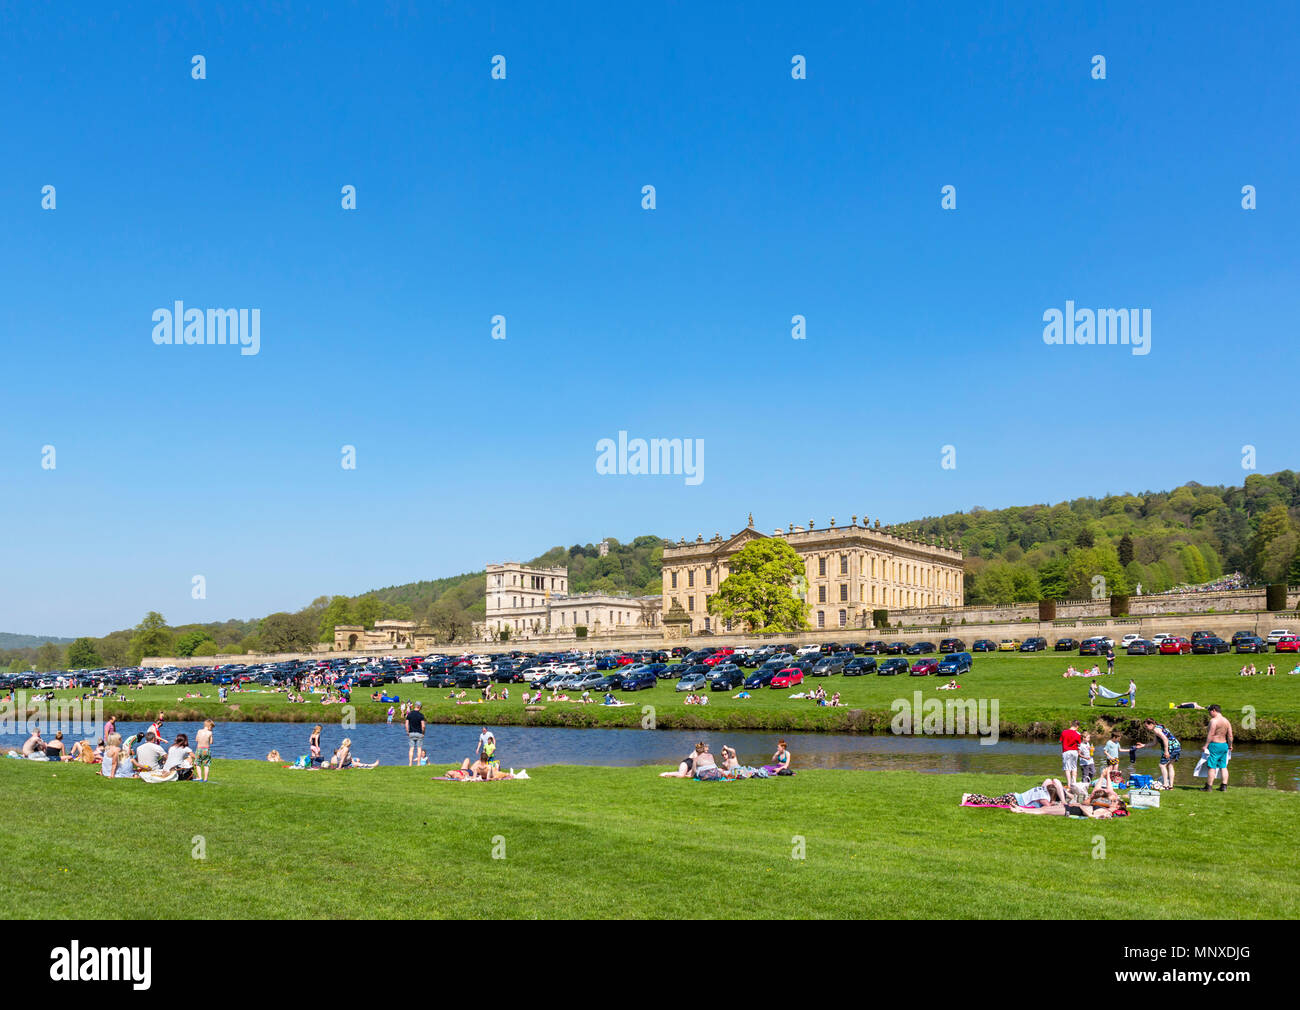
(1199,770)
(155,777)
(1106,692)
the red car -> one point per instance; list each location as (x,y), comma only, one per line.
(1175,647)
(626,659)
(788,677)
(1288,643)
(713,659)
(925,667)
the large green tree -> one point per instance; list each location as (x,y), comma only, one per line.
(759,594)
(152,637)
(82,655)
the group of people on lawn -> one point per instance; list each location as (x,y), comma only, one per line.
(701,764)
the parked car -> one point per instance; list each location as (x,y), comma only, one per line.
(1092,647)
(827,667)
(1066,644)
(788,677)
(920,648)
(860,666)
(893,666)
(1211,646)
(443,679)
(1009,645)
(1287,643)
(925,667)
(1175,646)
(1034,644)
(639,680)
(896,648)
(873,648)
(808,650)
(1129,639)
(762,676)
(726,676)
(956,663)
(951,645)
(986,645)
(1249,643)
(692,682)
(1141,647)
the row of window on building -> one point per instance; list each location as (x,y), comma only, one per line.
(896,571)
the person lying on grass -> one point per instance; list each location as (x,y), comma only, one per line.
(1050,792)
(686,769)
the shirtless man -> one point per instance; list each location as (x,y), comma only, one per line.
(1218,745)
(34,744)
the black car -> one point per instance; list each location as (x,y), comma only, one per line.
(860,666)
(1249,643)
(1211,646)
(1066,645)
(440,679)
(984,645)
(951,645)
(827,667)
(725,677)
(893,667)
(1035,644)
(1092,647)
(920,648)
(1141,647)
(895,648)
(508,674)
(467,676)
(874,648)
(1198,635)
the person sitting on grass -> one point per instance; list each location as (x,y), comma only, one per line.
(952,685)
(54,748)
(180,757)
(343,757)
(687,766)
(780,761)
(117,762)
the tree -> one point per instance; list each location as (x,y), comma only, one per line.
(449,622)
(82,655)
(337,611)
(1273,545)
(152,638)
(206,648)
(1125,550)
(1084,538)
(187,643)
(759,593)
(49,657)
(284,632)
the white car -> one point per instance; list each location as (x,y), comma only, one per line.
(168,679)
(1128,640)
(533,672)
(1277,634)
(1157,639)
(808,650)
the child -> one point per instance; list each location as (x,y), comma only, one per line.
(1112,756)
(203,753)
(1087,769)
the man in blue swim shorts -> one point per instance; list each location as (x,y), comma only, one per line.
(1218,748)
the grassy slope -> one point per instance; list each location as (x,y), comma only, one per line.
(584,842)
(1029,689)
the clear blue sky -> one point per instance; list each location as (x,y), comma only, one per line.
(522,197)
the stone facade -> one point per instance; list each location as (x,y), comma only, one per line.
(850,571)
(384,635)
(531,602)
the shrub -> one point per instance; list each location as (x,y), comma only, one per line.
(880,618)
(580,630)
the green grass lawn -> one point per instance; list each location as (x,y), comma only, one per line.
(602,842)
(1032,696)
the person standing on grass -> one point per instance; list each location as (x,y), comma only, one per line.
(203,751)
(1092,693)
(414,733)
(1112,757)
(1110,659)
(1070,739)
(1218,745)
(1132,693)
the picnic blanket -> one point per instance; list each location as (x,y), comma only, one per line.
(1106,692)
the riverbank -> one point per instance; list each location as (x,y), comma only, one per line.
(260,841)
(1034,702)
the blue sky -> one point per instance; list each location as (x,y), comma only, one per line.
(522,197)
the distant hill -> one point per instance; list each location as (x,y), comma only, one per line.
(11,640)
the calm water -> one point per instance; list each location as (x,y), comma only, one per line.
(1275,766)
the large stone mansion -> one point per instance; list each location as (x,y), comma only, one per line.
(530,602)
(851,570)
